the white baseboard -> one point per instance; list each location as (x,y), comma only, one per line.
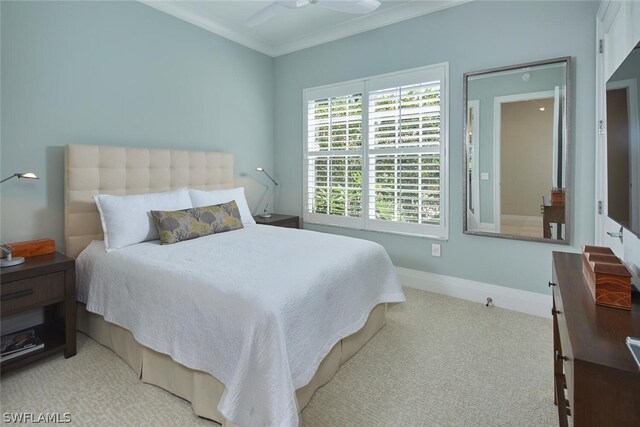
(529,218)
(503,297)
(487,226)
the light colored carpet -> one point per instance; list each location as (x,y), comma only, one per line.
(439,361)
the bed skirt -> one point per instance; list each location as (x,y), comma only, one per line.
(200,388)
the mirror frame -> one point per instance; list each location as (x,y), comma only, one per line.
(567,60)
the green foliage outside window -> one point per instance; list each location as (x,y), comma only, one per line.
(405,186)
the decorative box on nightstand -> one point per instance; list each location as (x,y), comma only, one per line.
(288,221)
(47,282)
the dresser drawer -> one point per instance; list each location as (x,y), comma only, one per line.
(603,381)
(32,292)
(565,344)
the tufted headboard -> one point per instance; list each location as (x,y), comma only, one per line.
(95,169)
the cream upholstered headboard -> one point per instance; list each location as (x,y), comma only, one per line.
(95,169)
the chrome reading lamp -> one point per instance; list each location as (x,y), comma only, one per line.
(10,261)
(266,214)
(27,175)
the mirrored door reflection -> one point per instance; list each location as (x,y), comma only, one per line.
(516,151)
(473,171)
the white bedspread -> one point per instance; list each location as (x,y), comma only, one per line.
(257,308)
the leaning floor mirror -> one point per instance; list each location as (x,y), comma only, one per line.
(517,145)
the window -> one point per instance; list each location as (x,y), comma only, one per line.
(375,153)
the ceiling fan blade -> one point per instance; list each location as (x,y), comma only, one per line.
(293,4)
(349,6)
(273,9)
(264,14)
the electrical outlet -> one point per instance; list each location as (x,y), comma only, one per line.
(435,249)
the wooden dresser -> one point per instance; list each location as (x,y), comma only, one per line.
(591,358)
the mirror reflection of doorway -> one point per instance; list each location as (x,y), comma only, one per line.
(526,149)
(473,169)
(516,143)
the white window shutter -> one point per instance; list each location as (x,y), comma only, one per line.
(375,153)
(404,154)
(334,156)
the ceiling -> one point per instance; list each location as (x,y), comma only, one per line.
(293,29)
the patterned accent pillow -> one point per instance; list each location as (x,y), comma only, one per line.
(185,224)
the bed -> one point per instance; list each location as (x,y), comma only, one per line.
(249,335)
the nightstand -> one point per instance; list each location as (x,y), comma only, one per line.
(288,221)
(47,282)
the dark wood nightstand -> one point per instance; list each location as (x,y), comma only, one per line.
(47,281)
(288,221)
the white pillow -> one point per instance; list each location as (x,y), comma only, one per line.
(127,220)
(215,197)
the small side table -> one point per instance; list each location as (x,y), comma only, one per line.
(278,220)
(47,282)
(553,213)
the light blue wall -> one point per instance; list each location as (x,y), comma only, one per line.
(471,37)
(485,89)
(124,74)
(120,73)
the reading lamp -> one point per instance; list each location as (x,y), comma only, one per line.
(266,214)
(28,175)
(9,260)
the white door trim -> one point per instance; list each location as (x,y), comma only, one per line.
(473,216)
(616,36)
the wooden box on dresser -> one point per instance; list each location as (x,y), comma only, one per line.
(47,282)
(590,356)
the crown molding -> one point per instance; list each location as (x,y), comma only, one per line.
(348,28)
(365,23)
(222,29)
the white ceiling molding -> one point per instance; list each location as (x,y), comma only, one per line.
(174,8)
(348,27)
(365,23)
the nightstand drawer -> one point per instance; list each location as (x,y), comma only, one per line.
(294,223)
(279,220)
(34,291)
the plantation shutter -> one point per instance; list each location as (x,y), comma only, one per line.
(334,155)
(404,153)
(389,175)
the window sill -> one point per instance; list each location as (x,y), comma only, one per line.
(397,233)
